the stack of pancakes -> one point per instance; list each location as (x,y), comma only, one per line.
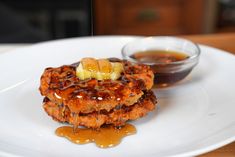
(91,102)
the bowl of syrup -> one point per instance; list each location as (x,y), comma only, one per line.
(170,58)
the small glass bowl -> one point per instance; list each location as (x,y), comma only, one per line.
(165,73)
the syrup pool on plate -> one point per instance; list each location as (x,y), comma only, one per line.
(107,136)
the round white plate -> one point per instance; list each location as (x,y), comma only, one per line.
(193,117)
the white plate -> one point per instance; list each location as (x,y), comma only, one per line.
(193,117)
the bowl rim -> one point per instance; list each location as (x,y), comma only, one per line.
(187,60)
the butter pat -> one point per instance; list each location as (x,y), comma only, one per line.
(101,69)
